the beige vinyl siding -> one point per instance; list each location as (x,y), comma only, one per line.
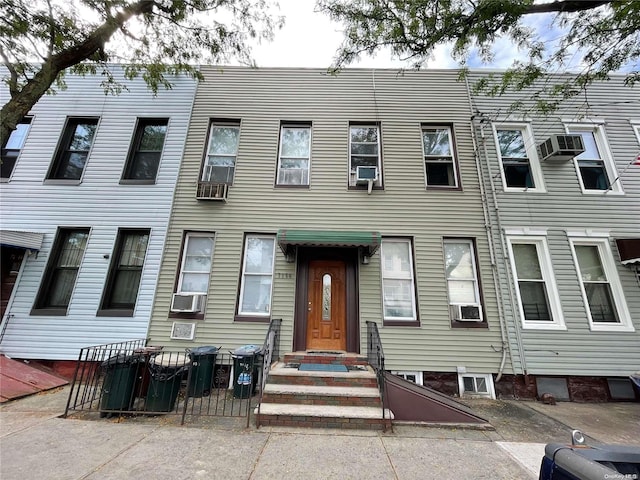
(578,350)
(261,99)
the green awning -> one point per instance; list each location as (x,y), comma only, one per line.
(368,241)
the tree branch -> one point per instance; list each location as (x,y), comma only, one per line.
(566,6)
(13,81)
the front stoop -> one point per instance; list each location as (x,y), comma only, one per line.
(349,400)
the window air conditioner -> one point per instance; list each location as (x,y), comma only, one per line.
(560,148)
(466,313)
(364,175)
(212,191)
(188,302)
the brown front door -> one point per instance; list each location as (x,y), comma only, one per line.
(327,312)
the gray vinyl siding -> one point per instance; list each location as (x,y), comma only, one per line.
(99,203)
(261,99)
(578,350)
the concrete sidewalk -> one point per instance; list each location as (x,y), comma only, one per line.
(35,443)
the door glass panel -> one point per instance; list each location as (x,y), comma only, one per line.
(326,297)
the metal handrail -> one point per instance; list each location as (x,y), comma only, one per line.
(375,357)
(270,351)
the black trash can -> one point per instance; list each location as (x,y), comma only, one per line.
(203,360)
(120,373)
(246,366)
(167,371)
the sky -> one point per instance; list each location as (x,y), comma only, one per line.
(310,40)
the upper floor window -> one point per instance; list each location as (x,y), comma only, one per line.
(11,149)
(257,276)
(398,286)
(294,155)
(146,149)
(519,160)
(595,167)
(195,267)
(364,151)
(462,280)
(601,289)
(439,159)
(536,289)
(73,149)
(59,278)
(220,162)
(123,281)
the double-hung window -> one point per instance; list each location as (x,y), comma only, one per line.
(439,159)
(62,270)
(195,267)
(601,289)
(462,280)
(294,154)
(518,158)
(125,273)
(220,162)
(146,150)
(398,286)
(11,149)
(536,288)
(73,149)
(595,167)
(257,276)
(364,152)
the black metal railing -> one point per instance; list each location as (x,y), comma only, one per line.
(270,352)
(130,378)
(375,357)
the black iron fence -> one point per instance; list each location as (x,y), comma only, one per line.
(131,378)
(270,352)
(375,357)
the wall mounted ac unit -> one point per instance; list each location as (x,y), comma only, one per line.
(188,302)
(466,313)
(560,148)
(364,175)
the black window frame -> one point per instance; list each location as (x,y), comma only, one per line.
(64,148)
(134,149)
(107,305)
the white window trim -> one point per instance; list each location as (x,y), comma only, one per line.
(24,141)
(635,124)
(546,267)
(476,284)
(532,154)
(223,124)
(298,126)
(414,313)
(378,127)
(189,235)
(454,160)
(491,392)
(405,373)
(597,127)
(242,280)
(608,265)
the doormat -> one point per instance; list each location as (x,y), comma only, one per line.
(323,352)
(321,367)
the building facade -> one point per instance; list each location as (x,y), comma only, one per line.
(563,194)
(86,192)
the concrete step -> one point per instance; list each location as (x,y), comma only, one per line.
(364,377)
(321,395)
(335,358)
(322,416)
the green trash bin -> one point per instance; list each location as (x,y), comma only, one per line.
(120,373)
(166,370)
(246,367)
(203,360)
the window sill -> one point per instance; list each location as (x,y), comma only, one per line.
(125,181)
(365,187)
(463,324)
(523,190)
(4,180)
(441,188)
(251,319)
(400,323)
(544,326)
(116,312)
(611,327)
(602,192)
(57,181)
(187,316)
(303,187)
(49,312)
